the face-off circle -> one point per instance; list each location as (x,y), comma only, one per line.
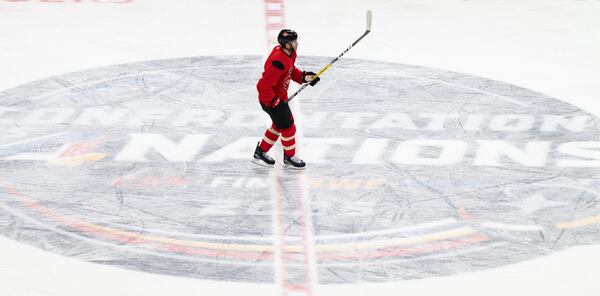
(412,172)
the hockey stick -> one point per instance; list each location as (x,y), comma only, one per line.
(369,18)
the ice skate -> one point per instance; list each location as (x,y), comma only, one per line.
(293,162)
(262,158)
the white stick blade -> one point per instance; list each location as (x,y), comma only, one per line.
(369,19)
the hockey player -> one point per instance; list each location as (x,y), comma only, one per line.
(272,94)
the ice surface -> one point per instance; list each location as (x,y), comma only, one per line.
(364,211)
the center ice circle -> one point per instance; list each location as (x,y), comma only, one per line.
(412,172)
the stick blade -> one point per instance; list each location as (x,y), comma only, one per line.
(369,19)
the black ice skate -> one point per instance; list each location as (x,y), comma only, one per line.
(262,158)
(294,162)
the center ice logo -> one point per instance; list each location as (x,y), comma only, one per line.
(191,147)
(409,168)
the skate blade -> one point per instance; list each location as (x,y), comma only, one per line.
(291,167)
(261,163)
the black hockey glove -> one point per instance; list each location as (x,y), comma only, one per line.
(307,76)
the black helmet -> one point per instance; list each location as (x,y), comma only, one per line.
(286,36)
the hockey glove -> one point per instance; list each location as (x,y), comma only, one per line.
(311,77)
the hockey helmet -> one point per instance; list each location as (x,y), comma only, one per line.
(286,36)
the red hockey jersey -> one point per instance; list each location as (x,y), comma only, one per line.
(275,80)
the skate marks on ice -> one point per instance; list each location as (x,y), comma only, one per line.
(413,172)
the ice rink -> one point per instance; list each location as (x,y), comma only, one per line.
(454,150)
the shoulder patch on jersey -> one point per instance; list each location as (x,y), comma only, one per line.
(278,65)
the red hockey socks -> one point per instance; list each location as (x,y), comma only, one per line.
(288,140)
(271,136)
